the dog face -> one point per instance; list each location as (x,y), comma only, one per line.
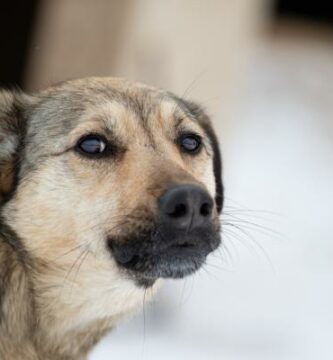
(125,173)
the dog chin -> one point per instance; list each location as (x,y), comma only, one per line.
(175,259)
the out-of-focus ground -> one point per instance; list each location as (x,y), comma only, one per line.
(270,294)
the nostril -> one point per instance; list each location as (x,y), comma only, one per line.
(185,207)
(180,210)
(206,209)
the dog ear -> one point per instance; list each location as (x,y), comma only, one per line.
(12,130)
(198,113)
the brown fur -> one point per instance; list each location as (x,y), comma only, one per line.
(60,290)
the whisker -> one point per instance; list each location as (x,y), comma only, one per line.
(217,267)
(69,251)
(144,321)
(259,246)
(240,239)
(80,264)
(183,292)
(237,220)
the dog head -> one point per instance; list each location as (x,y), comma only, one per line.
(129,173)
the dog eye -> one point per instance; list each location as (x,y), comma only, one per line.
(92,145)
(190,143)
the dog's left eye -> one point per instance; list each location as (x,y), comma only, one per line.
(190,143)
(92,145)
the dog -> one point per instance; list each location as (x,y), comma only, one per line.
(106,187)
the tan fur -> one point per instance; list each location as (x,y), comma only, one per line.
(70,291)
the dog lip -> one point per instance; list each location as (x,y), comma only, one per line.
(125,256)
(183,249)
(174,261)
(183,245)
(173,255)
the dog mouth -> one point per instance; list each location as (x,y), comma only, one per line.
(157,255)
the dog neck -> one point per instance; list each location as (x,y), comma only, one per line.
(16,301)
(33,323)
(40,319)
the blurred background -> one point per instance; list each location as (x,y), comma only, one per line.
(264,72)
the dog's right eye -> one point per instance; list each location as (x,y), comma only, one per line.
(92,145)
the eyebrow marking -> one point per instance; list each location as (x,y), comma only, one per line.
(179,121)
(183,110)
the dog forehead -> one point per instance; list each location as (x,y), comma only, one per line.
(65,103)
(130,112)
(122,106)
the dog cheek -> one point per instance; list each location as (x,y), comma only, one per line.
(40,211)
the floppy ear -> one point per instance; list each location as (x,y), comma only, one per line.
(198,113)
(12,130)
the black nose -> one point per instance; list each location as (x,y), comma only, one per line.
(186,206)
